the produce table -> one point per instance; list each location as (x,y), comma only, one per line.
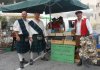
(62,48)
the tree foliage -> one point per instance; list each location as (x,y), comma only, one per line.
(4,22)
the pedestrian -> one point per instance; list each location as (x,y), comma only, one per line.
(22,45)
(37,37)
(82,28)
(14,41)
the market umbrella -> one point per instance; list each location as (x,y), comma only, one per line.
(47,6)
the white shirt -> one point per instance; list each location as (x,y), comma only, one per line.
(16,26)
(78,27)
(40,24)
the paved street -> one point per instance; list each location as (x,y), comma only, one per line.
(9,61)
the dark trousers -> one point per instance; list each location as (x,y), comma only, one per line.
(77,47)
(13,44)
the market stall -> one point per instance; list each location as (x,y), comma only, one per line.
(62,43)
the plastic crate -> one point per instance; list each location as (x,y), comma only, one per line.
(98,46)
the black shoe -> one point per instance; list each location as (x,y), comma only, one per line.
(24,61)
(44,59)
(31,62)
(80,63)
(21,64)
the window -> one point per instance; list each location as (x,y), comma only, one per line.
(98,5)
(95,16)
(99,14)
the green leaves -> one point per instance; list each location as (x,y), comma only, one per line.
(3,21)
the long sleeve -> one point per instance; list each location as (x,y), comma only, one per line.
(43,28)
(30,31)
(16,26)
(45,32)
(89,26)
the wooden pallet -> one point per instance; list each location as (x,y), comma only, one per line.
(98,50)
(57,41)
(70,42)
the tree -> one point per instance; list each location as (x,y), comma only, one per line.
(4,22)
(12,20)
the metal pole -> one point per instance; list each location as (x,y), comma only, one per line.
(50,12)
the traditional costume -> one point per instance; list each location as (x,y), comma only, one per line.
(38,34)
(21,26)
(82,28)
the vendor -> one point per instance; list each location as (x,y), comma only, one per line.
(61,22)
(14,40)
(82,28)
(38,36)
(54,25)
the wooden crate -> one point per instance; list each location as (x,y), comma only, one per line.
(57,41)
(68,34)
(70,42)
(52,34)
(59,34)
(98,50)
